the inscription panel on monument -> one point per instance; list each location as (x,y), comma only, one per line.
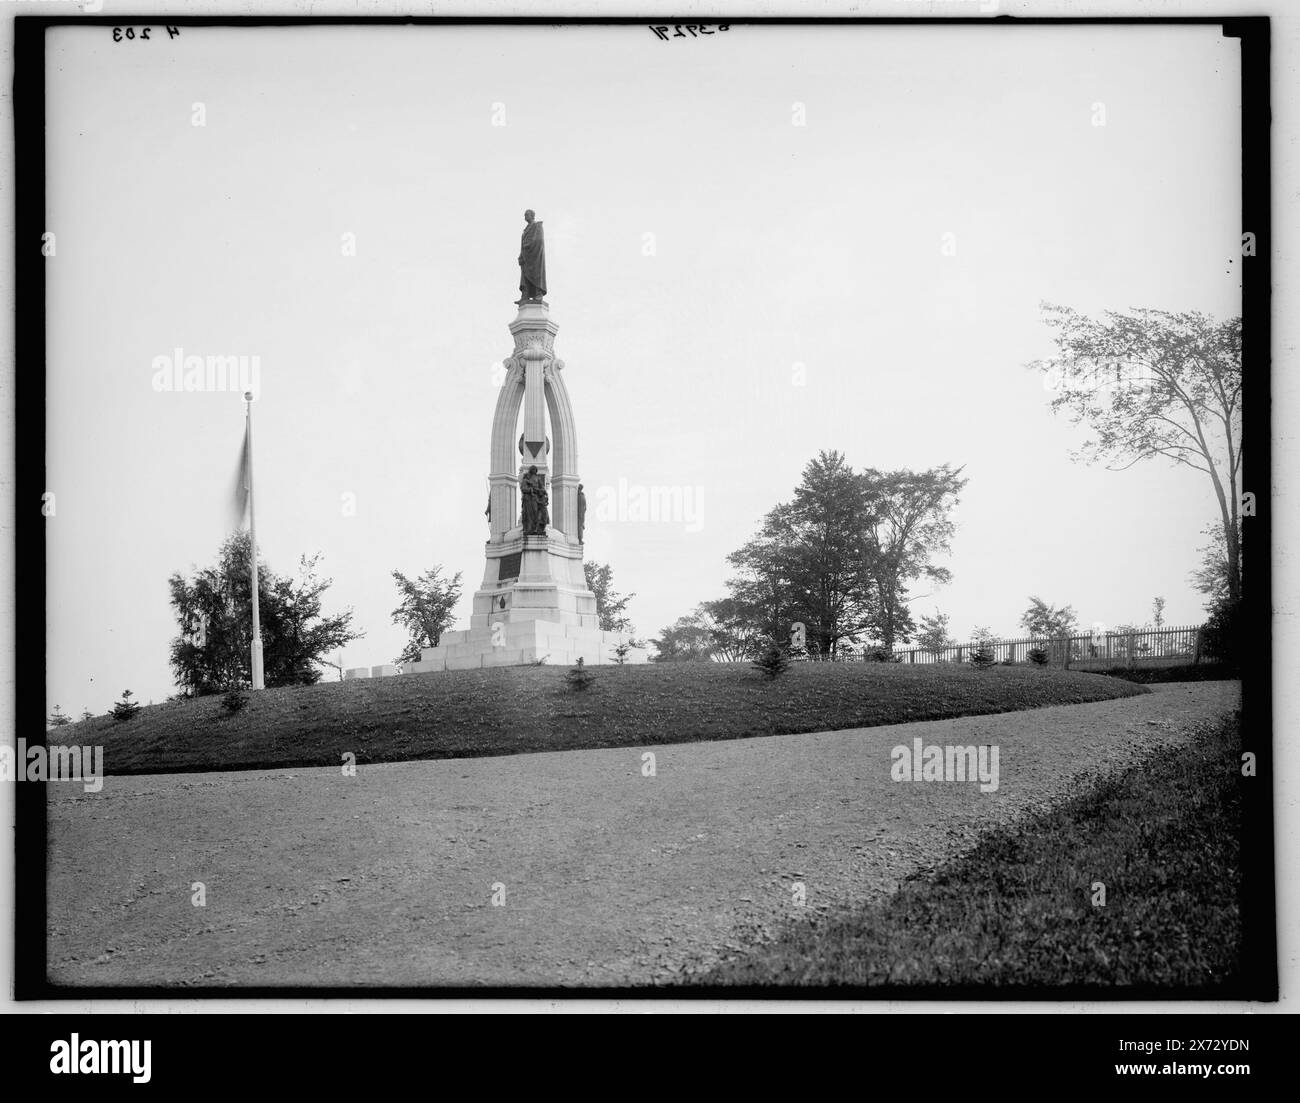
(509,566)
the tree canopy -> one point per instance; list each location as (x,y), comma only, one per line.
(1151,383)
(841,556)
(1041,619)
(214,612)
(426,609)
(611,606)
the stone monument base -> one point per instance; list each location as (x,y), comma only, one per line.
(520,642)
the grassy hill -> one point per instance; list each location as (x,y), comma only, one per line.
(511,710)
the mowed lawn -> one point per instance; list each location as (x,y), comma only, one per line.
(512,710)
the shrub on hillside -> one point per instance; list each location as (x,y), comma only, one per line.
(578,676)
(235,697)
(1221,635)
(879,654)
(125,708)
(772,660)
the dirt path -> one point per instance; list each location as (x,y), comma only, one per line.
(610,877)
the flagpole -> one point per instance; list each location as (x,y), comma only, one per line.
(256,655)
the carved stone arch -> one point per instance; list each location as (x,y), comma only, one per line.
(564,463)
(504,492)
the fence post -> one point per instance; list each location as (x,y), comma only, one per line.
(1196,649)
(1132,645)
(1065,664)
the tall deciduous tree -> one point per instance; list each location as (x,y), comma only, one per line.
(1151,383)
(214,612)
(908,524)
(426,610)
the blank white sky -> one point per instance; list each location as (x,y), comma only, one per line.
(774,244)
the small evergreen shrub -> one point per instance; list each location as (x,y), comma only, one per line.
(772,660)
(982,655)
(125,708)
(579,677)
(1037,656)
(235,697)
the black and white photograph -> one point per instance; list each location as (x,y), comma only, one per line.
(699,511)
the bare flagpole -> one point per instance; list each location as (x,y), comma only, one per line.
(256,656)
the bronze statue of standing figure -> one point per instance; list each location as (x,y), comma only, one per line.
(532,488)
(532,262)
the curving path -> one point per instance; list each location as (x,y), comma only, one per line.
(610,877)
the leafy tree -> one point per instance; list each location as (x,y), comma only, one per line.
(804,566)
(1158,613)
(686,640)
(909,524)
(426,610)
(1212,577)
(611,606)
(934,632)
(720,630)
(1150,383)
(125,708)
(214,612)
(621,651)
(732,632)
(762,592)
(1221,635)
(58,718)
(1043,620)
(840,556)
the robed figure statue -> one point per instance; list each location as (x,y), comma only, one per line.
(532,488)
(532,262)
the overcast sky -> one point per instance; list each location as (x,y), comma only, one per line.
(734,292)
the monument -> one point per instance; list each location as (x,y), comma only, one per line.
(534,602)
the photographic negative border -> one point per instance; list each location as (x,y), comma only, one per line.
(1259,899)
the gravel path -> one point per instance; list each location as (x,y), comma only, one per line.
(609,877)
